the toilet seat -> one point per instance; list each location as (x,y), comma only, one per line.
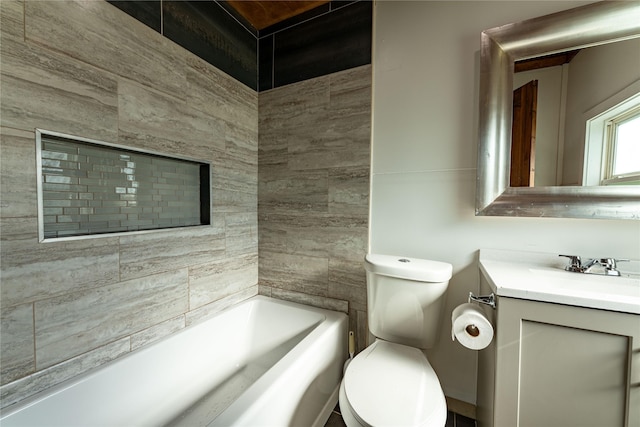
(391,384)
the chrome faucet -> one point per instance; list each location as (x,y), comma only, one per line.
(604,266)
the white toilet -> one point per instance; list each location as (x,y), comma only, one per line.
(391,383)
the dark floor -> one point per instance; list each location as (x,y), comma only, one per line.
(453,420)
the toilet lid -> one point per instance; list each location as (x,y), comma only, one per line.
(394,385)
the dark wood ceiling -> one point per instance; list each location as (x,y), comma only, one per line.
(545,61)
(263,14)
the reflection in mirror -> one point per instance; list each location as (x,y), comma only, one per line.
(567,83)
(595,101)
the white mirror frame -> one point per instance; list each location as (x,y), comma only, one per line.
(584,26)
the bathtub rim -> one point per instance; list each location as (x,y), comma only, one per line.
(334,321)
(41,395)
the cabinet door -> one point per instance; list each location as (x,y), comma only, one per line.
(566,366)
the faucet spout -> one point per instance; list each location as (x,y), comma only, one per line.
(606,266)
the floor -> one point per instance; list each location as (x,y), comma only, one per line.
(453,420)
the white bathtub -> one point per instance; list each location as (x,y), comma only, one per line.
(263,362)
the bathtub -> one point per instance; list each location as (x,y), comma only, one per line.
(262,362)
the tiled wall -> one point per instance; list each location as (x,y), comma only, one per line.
(88,69)
(92,189)
(330,38)
(205,28)
(313,196)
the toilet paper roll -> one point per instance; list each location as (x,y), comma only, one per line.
(470,327)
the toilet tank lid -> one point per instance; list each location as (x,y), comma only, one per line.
(422,270)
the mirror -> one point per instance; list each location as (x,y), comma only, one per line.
(549,138)
(569,89)
(583,27)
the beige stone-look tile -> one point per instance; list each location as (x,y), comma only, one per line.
(305,274)
(17,357)
(97,33)
(34,271)
(207,311)
(216,280)
(264,290)
(300,191)
(236,169)
(272,233)
(11,19)
(308,235)
(241,233)
(313,300)
(332,144)
(294,107)
(155,121)
(361,330)
(347,281)
(219,95)
(157,332)
(225,201)
(349,236)
(350,93)
(315,234)
(18,173)
(296,233)
(109,313)
(272,150)
(150,253)
(319,134)
(44,379)
(308,131)
(349,191)
(47,90)
(242,143)
(235,186)
(273,137)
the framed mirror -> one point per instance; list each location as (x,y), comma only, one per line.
(593,25)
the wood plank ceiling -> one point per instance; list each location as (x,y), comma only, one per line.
(545,61)
(263,14)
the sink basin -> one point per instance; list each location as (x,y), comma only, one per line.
(540,277)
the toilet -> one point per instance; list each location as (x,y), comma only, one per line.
(391,382)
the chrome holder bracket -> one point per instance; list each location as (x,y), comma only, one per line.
(489,300)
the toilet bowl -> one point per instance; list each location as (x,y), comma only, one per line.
(391,382)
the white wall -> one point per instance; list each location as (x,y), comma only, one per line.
(425,101)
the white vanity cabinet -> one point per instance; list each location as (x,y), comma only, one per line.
(558,365)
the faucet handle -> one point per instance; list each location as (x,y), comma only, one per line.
(610,265)
(608,262)
(615,260)
(575,263)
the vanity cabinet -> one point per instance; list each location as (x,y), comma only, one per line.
(556,365)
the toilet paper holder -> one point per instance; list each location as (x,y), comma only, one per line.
(489,300)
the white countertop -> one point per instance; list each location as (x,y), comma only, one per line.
(541,277)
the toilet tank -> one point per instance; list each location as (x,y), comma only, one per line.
(405,298)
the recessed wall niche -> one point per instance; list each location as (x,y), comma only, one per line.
(89,188)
